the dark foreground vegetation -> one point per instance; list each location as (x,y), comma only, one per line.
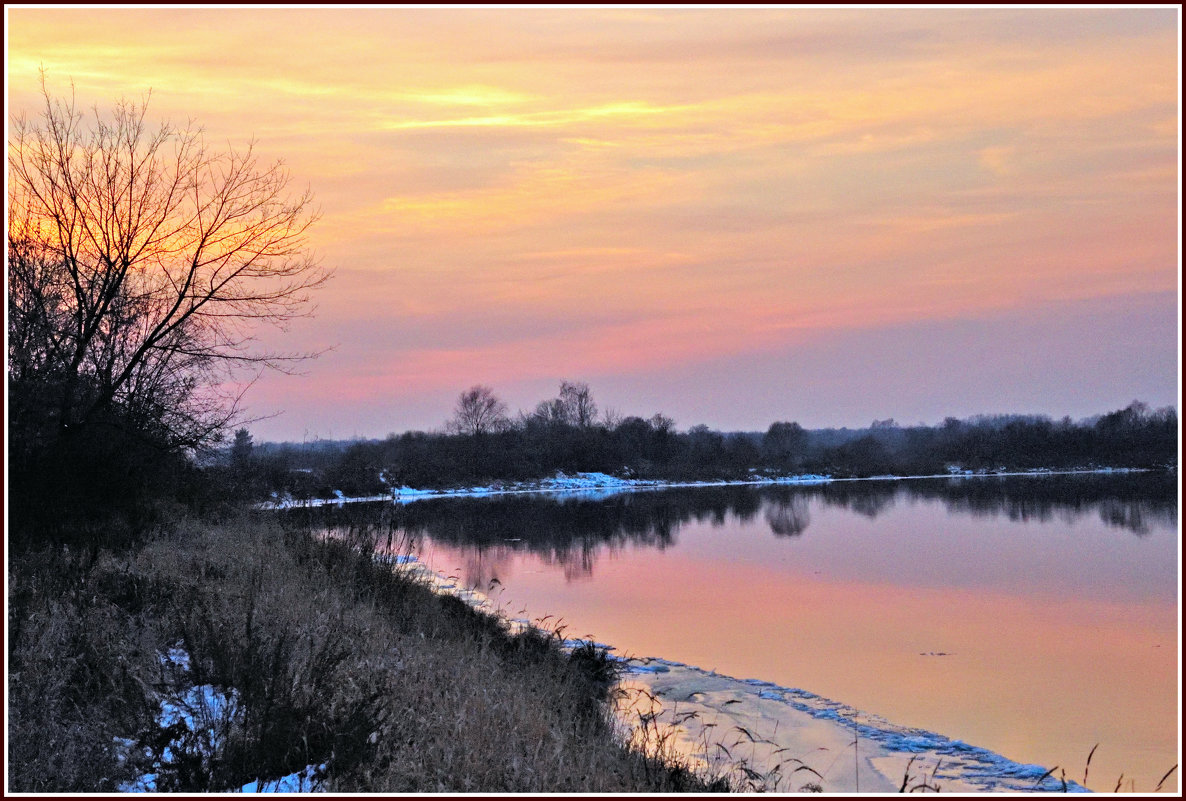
(331,659)
(558,436)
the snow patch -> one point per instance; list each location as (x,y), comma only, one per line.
(977,767)
(309,780)
(196,720)
(197,717)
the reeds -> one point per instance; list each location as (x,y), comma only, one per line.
(733,759)
(331,658)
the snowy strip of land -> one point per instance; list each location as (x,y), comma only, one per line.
(602,485)
(586,485)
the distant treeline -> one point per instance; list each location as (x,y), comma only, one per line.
(566,434)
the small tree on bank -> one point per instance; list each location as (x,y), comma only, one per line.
(577,400)
(574,406)
(241,450)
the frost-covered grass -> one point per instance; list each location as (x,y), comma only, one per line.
(243,656)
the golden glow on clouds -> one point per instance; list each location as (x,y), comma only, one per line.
(536,118)
(721,180)
(475,95)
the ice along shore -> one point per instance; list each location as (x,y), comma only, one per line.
(783,739)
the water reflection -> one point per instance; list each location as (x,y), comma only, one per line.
(788,517)
(1137,502)
(573,532)
(565,531)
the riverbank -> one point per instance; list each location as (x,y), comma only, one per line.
(241,655)
(601,485)
(244,632)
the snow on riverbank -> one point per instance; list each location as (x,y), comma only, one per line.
(776,738)
(194,721)
(582,485)
(592,486)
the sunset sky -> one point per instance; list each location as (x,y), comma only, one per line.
(733,216)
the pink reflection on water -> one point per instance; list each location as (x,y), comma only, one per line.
(1039,653)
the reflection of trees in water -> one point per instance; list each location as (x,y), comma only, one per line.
(788,517)
(866,498)
(579,565)
(485,566)
(482,567)
(573,533)
(561,530)
(1124,515)
(1135,502)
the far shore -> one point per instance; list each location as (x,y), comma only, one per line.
(603,485)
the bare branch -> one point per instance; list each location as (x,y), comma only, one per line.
(138,261)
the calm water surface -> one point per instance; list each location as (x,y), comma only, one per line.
(1033,616)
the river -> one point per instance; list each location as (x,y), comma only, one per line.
(1032,616)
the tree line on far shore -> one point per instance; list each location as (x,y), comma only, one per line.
(483,444)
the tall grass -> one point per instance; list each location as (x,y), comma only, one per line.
(330,657)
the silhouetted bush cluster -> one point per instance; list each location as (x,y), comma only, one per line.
(114,477)
(109,483)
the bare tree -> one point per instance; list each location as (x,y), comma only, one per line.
(140,263)
(549,413)
(574,406)
(611,418)
(661,423)
(577,400)
(478,411)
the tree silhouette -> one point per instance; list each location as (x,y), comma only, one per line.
(241,449)
(478,411)
(140,262)
(577,401)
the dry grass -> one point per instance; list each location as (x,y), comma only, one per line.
(334,659)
